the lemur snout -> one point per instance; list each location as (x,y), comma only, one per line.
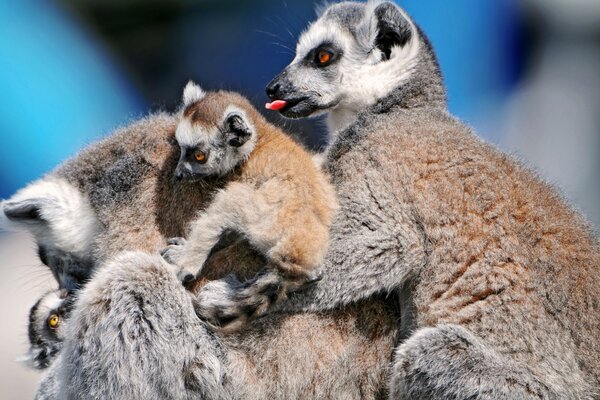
(182,172)
(273,90)
(280,87)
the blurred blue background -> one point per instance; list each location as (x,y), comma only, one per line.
(72,71)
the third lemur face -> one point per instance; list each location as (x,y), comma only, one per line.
(215,133)
(45,327)
(353,55)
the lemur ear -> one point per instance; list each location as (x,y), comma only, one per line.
(393,28)
(192,93)
(29,210)
(237,130)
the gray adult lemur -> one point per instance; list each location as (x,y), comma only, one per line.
(133,332)
(498,277)
(45,330)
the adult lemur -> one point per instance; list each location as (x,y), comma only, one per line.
(498,277)
(133,332)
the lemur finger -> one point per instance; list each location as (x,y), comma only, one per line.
(312,278)
(186,277)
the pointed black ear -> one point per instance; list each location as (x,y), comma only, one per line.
(393,29)
(237,131)
(26,210)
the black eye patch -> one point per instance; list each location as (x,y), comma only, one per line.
(324,55)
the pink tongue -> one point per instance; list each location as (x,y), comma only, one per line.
(276,105)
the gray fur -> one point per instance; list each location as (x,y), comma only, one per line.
(344,353)
(134,335)
(117,317)
(505,295)
(432,357)
(499,276)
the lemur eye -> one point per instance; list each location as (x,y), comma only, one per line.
(200,157)
(53,321)
(323,57)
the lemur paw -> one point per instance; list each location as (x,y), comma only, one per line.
(227,304)
(173,253)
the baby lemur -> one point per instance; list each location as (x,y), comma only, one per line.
(45,322)
(275,196)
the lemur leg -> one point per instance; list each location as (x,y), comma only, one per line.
(227,211)
(135,320)
(229,304)
(448,362)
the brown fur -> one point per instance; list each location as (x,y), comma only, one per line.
(505,256)
(276,197)
(342,353)
(283,173)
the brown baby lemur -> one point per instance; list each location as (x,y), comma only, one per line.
(275,196)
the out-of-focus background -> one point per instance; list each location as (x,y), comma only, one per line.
(525,74)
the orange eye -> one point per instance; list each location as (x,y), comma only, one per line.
(323,57)
(53,321)
(200,156)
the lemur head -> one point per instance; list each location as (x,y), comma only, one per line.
(46,318)
(63,223)
(352,56)
(216,133)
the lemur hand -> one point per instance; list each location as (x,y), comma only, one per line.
(173,254)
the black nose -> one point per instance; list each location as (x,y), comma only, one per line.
(273,90)
(178,175)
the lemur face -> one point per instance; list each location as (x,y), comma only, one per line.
(45,327)
(215,134)
(351,56)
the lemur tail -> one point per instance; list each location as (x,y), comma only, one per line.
(227,304)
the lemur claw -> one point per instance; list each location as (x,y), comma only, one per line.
(176,241)
(174,250)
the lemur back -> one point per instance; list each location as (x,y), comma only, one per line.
(497,276)
(276,197)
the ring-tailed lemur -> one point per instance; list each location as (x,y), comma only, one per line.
(45,330)
(134,333)
(498,277)
(275,196)
(404,160)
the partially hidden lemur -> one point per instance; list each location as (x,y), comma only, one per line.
(275,196)
(133,332)
(498,278)
(46,320)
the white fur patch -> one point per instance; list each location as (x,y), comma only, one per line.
(192,93)
(51,301)
(364,80)
(186,134)
(69,223)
